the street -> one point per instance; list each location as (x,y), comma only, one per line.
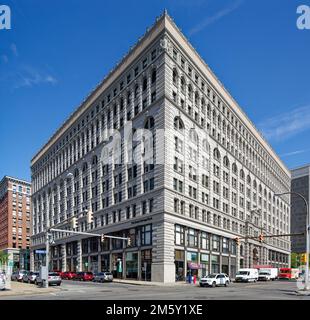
(73,290)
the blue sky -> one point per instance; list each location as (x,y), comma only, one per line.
(57,51)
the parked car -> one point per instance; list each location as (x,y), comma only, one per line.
(103,277)
(68,275)
(247,275)
(30,277)
(84,276)
(267,274)
(2,281)
(60,273)
(53,279)
(215,279)
(18,275)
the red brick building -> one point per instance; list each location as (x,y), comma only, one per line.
(15,220)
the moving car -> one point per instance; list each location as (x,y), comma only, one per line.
(18,275)
(103,277)
(267,274)
(68,275)
(247,275)
(84,276)
(288,273)
(215,279)
(30,277)
(53,279)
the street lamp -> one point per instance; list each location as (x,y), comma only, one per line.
(306,288)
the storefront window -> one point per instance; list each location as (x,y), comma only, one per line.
(215,264)
(85,264)
(192,257)
(74,248)
(94,264)
(69,266)
(94,244)
(85,246)
(179,265)
(105,262)
(192,238)
(225,265)
(146,265)
(179,235)
(205,242)
(105,245)
(215,243)
(68,249)
(117,265)
(117,243)
(132,265)
(146,235)
(204,261)
(232,267)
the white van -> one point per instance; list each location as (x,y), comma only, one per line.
(267,274)
(247,275)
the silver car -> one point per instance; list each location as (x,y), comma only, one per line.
(53,279)
(30,277)
(103,277)
(18,275)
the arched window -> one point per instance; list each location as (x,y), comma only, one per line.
(196,98)
(216,154)
(254,184)
(248,179)
(76,173)
(178,123)
(149,123)
(136,91)
(94,160)
(144,84)
(203,105)
(85,166)
(193,136)
(182,84)
(234,168)
(226,161)
(190,92)
(205,145)
(154,76)
(242,174)
(174,76)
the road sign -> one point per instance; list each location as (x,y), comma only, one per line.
(40,251)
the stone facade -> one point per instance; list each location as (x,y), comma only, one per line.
(214,176)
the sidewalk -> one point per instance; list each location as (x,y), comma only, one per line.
(20,289)
(149,283)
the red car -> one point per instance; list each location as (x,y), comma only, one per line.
(69,275)
(84,276)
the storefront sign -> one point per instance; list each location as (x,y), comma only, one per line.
(40,251)
(194,266)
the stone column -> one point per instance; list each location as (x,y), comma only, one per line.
(79,256)
(163,267)
(32,260)
(63,257)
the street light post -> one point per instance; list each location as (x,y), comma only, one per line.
(306,288)
(47,246)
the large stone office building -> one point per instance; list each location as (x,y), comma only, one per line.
(213,178)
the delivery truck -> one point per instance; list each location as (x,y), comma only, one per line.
(268,274)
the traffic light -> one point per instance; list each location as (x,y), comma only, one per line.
(102,238)
(261,238)
(90,216)
(74,223)
(303,258)
(237,240)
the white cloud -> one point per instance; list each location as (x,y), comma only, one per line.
(287,124)
(220,14)
(29,77)
(293,153)
(14,49)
